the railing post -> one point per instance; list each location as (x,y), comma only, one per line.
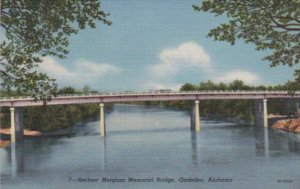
(102,121)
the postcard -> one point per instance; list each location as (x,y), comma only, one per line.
(150,94)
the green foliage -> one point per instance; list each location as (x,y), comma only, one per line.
(56,117)
(242,109)
(188,87)
(52,118)
(269,24)
(67,90)
(37,28)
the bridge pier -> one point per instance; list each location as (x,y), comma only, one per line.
(102,120)
(16,124)
(261,113)
(195,117)
(298,107)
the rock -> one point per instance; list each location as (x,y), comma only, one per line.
(31,133)
(297,130)
(4,143)
(292,125)
(280,124)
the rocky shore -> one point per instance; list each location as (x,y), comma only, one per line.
(4,143)
(292,125)
(6,131)
(26,132)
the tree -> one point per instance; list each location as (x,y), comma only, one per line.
(37,28)
(87,89)
(269,24)
(187,87)
(208,85)
(67,90)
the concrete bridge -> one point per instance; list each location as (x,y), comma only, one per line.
(16,104)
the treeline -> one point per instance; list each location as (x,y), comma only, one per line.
(52,118)
(241,109)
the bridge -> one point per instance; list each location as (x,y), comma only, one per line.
(16,104)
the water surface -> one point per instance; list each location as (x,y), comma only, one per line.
(149,142)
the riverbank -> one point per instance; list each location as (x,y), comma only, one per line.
(27,132)
(7,132)
(291,125)
(4,143)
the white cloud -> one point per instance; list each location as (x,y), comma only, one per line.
(188,55)
(82,72)
(94,68)
(246,76)
(190,58)
(51,67)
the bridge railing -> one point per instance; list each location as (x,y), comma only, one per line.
(155,92)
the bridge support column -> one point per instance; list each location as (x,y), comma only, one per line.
(195,117)
(261,112)
(16,124)
(102,121)
(298,108)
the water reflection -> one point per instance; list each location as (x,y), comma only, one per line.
(29,156)
(266,142)
(15,159)
(194,147)
(270,142)
(103,154)
(25,156)
(14,163)
(261,135)
(152,144)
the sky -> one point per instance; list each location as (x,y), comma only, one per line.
(158,45)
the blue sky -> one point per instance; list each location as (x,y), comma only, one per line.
(158,44)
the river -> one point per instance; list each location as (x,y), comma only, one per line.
(153,147)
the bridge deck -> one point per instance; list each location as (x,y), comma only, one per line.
(147,96)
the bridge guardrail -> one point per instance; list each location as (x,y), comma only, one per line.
(156,93)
